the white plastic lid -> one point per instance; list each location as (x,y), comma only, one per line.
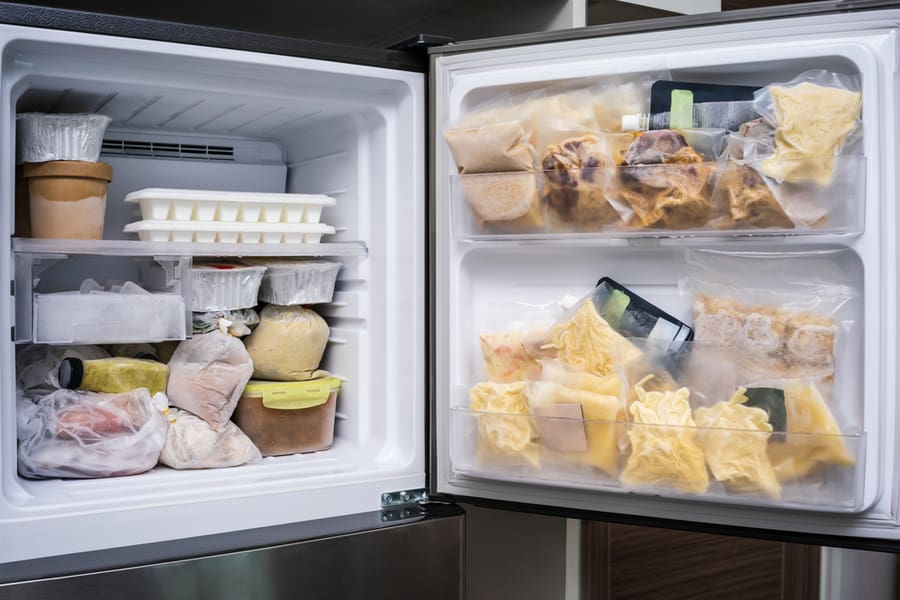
(632,123)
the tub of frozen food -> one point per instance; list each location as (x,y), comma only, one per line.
(289,417)
(229,233)
(294,282)
(225,286)
(67,198)
(44,137)
(240,207)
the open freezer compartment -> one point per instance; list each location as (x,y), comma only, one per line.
(210,119)
(513,277)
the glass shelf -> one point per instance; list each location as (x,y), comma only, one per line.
(139,248)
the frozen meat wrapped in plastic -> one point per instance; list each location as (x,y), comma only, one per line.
(192,444)
(734,439)
(508,435)
(207,374)
(86,434)
(747,200)
(288,343)
(664,449)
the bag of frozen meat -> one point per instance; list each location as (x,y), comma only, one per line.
(84,434)
(192,444)
(207,374)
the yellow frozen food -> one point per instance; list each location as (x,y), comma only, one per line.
(800,453)
(734,439)
(506,435)
(510,356)
(664,451)
(603,421)
(813,121)
(587,343)
(554,371)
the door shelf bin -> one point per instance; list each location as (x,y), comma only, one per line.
(712,199)
(525,449)
(54,307)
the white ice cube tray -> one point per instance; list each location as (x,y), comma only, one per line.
(229,233)
(163,204)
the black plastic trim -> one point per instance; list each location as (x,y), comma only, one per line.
(164,31)
(667,23)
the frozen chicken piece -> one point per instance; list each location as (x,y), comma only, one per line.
(665,182)
(665,452)
(576,171)
(603,420)
(734,439)
(748,201)
(490,148)
(506,200)
(813,121)
(587,343)
(508,436)
(801,453)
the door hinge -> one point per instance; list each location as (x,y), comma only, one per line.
(396,506)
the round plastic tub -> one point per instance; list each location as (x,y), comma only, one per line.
(67,198)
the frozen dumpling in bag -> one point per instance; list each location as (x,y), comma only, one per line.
(665,452)
(813,436)
(734,439)
(508,436)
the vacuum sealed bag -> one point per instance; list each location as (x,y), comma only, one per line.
(85,434)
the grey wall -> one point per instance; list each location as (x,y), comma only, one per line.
(514,555)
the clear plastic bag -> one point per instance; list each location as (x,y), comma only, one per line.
(816,117)
(84,434)
(38,365)
(288,343)
(207,374)
(192,444)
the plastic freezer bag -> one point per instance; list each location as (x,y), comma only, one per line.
(192,444)
(85,435)
(207,375)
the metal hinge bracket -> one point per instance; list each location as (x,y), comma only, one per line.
(396,506)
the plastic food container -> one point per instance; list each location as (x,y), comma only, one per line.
(67,199)
(229,233)
(289,417)
(225,286)
(289,283)
(108,318)
(159,204)
(47,137)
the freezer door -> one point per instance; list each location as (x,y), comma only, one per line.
(365,558)
(482,279)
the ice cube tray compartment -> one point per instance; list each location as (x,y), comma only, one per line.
(228,233)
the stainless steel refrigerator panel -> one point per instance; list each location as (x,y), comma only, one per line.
(421,559)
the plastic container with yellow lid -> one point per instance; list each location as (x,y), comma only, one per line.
(287,417)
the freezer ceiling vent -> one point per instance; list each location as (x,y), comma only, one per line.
(168,150)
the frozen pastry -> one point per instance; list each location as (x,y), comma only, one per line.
(505,200)
(576,172)
(511,356)
(801,453)
(734,437)
(812,123)
(664,181)
(664,450)
(592,437)
(491,148)
(747,201)
(508,436)
(587,343)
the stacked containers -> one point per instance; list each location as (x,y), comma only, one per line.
(66,183)
(290,405)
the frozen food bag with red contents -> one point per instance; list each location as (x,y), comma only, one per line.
(83,434)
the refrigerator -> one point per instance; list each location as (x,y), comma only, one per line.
(201,108)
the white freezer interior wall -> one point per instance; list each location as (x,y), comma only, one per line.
(863,43)
(353,132)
